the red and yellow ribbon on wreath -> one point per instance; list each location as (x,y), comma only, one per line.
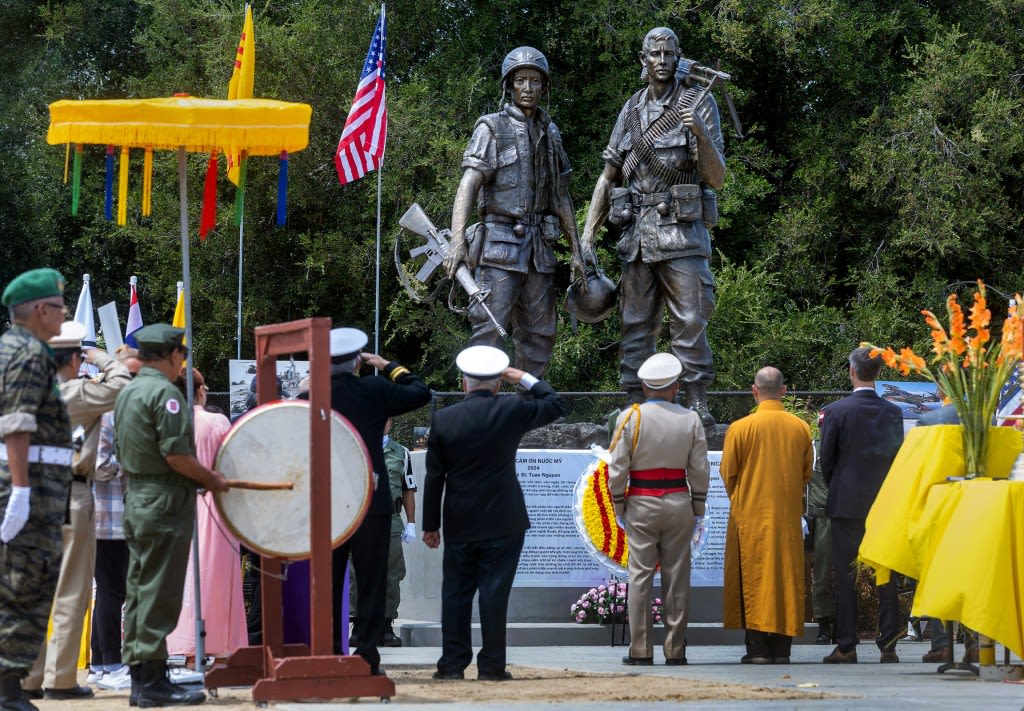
(595,519)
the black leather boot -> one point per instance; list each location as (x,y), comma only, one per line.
(12,698)
(824,631)
(155,689)
(133,697)
(389,638)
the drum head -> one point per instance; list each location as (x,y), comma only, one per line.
(271,444)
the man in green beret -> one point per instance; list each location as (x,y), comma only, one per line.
(35,474)
(156,449)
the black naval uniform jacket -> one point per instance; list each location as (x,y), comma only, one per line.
(471,459)
(367,403)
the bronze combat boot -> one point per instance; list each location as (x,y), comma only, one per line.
(697,400)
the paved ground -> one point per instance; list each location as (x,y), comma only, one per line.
(867,685)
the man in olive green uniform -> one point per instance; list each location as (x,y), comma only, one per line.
(35,474)
(403,493)
(822,604)
(156,449)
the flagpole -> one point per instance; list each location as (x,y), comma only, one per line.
(241,248)
(189,384)
(376,307)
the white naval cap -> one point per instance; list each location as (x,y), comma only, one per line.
(347,342)
(660,370)
(482,362)
(71,335)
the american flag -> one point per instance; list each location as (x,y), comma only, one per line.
(361,147)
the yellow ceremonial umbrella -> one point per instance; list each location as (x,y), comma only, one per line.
(239,126)
(261,127)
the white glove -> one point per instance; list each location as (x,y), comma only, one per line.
(699,537)
(804,527)
(16,514)
(409,534)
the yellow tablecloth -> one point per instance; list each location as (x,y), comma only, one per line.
(963,541)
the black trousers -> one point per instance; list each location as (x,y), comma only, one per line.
(847,534)
(488,566)
(368,547)
(111,573)
(768,644)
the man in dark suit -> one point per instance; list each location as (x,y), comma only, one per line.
(860,436)
(368,402)
(471,452)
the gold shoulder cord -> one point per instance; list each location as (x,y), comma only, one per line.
(634,408)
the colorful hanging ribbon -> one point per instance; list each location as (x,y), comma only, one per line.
(208,217)
(108,196)
(76,179)
(122,187)
(282,189)
(147,182)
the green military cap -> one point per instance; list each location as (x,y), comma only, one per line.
(34,284)
(160,336)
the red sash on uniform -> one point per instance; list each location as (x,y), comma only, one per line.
(656,482)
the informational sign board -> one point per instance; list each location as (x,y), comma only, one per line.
(553,554)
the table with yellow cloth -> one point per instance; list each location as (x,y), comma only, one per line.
(962,541)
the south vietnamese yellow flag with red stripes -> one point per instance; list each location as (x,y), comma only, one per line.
(240,87)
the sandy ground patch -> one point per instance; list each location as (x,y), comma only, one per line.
(530,685)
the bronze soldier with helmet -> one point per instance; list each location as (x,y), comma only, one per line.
(516,175)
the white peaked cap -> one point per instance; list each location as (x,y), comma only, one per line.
(347,342)
(660,370)
(482,362)
(71,335)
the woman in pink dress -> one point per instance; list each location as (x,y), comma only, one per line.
(220,567)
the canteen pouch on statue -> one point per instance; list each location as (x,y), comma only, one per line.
(709,199)
(620,212)
(687,202)
(474,243)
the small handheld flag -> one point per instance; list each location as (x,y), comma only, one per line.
(134,316)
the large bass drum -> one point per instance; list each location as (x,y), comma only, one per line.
(271,444)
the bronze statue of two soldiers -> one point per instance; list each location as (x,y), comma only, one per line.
(664,160)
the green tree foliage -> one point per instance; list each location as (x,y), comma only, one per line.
(880,168)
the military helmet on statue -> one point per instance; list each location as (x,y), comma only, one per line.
(524,57)
(594,304)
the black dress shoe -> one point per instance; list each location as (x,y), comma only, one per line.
(638,661)
(448,675)
(33,693)
(500,676)
(681,662)
(75,692)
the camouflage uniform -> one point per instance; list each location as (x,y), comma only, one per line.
(30,401)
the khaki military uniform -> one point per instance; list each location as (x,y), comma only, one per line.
(151,421)
(30,401)
(657,487)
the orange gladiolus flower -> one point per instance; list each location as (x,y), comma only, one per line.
(940,341)
(980,318)
(957,329)
(910,361)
